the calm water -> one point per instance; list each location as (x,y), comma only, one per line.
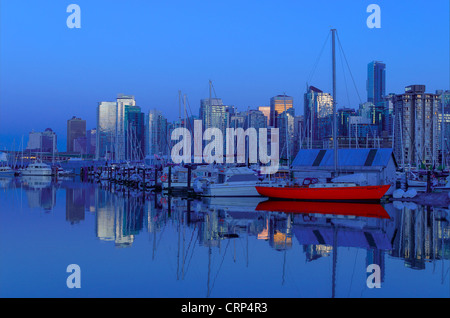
(128,245)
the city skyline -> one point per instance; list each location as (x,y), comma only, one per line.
(46,66)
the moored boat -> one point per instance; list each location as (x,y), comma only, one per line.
(37,169)
(325,192)
(6,171)
(231,182)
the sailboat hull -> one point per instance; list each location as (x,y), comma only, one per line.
(363,193)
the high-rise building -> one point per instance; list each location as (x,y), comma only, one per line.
(255,119)
(91,140)
(343,125)
(120,129)
(121,125)
(134,133)
(362,128)
(286,125)
(376,82)
(374,113)
(416,136)
(157,138)
(106,130)
(80,145)
(298,133)
(444,123)
(45,141)
(266,111)
(76,128)
(238,120)
(214,113)
(318,113)
(279,104)
(388,117)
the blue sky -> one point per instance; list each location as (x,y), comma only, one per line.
(251,50)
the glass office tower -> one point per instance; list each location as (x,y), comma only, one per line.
(279,104)
(106,130)
(376,82)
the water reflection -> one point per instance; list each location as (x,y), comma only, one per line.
(414,234)
(39,191)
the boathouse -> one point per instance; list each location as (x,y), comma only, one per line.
(365,166)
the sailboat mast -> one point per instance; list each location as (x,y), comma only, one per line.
(179,106)
(442,132)
(287,133)
(333,32)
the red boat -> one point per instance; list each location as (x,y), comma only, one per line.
(311,190)
(356,209)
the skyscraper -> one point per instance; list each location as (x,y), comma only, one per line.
(444,123)
(216,115)
(318,112)
(256,119)
(134,133)
(416,136)
(376,82)
(45,141)
(121,124)
(76,128)
(106,130)
(344,115)
(298,133)
(91,137)
(279,104)
(156,132)
(286,125)
(266,111)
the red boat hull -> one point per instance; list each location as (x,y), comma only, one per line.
(355,209)
(365,193)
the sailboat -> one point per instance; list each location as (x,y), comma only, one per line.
(311,189)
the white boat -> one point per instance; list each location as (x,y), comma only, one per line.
(6,171)
(414,180)
(37,169)
(417,183)
(63,173)
(232,182)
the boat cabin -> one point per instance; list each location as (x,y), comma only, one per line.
(361,166)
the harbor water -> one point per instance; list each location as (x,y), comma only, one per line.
(129,243)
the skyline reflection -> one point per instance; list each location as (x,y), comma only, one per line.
(416,235)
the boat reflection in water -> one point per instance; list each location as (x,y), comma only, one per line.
(325,226)
(332,208)
(221,247)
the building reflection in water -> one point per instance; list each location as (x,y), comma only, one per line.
(118,218)
(415,234)
(75,201)
(39,191)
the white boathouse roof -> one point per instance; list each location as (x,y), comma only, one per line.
(362,157)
